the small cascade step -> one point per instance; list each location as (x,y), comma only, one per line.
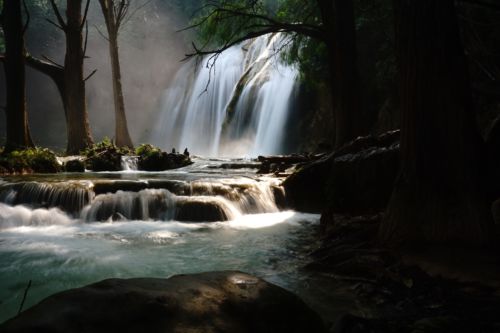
(202,200)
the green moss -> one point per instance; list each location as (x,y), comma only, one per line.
(39,160)
(105,145)
(147,150)
(152,158)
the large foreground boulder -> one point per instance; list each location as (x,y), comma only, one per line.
(226,301)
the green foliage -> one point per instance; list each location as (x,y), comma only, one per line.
(105,145)
(152,158)
(219,28)
(105,156)
(147,150)
(39,160)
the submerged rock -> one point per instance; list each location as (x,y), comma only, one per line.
(227,301)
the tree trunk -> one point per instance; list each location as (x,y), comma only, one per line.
(436,197)
(340,30)
(78,129)
(122,136)
(18,135)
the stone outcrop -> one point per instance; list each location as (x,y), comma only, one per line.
(357,178)
(227,301)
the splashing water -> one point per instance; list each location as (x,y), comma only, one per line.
(238,109)
(65,231)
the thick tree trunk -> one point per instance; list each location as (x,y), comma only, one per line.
(340,30)
(18,135)
(78,129)
(122,136)
(436,198)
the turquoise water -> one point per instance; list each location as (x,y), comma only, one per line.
(58,251)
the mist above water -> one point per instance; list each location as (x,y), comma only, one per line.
(150,51)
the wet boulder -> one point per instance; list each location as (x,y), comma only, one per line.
(306,189)
(113,186)
(201,210)
(356,179)
(362,183)
(109,159)
(161,161)
(74,166)
(227,301)
(152,158)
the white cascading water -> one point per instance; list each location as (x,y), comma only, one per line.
(239,109)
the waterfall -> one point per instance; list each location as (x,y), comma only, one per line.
(239,108)
(129,163)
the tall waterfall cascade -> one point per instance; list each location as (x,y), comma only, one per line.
(237,108)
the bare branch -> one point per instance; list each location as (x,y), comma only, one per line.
(85,13)
(250,35)
(101,33)
(62,24)
(55,24)
(52,61)
(313,31)
(120,12)
(90,75)
(132,14)
(27,17)
(86,38)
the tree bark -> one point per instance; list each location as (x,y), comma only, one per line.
(78,130)
(18,134)
(436,198)
(340,30)
(122,136)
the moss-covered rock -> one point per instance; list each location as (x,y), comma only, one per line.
(74,166)
(104,156)
(152,158)
(32,160)
(108,160)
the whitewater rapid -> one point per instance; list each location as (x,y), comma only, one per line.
(65,231)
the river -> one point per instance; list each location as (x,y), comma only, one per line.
(67,230)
